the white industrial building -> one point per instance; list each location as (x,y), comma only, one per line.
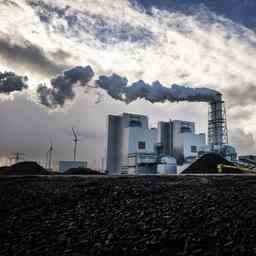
(134,148)
(178,138)
(130,145)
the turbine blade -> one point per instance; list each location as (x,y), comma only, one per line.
(74,133)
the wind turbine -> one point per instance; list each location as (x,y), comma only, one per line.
(49,156)
(46,160)
(17,156)
(75,140)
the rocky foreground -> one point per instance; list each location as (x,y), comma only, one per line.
(178,215)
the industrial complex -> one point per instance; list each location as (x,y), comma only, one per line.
(134,148)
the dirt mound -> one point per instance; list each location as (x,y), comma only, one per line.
(3,169)
(81,171)
(235,170)
(121,216)
(24,168)
(208,163)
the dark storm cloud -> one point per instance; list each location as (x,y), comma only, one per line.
(241,114)
(242,12)
(60,54)
(9,2)
(243,141)
(245,95)
(111,33)
(27,128)
(10,82)
(62,86)
(33,57)
(103,29)
(46,11)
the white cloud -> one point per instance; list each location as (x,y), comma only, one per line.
(204,49)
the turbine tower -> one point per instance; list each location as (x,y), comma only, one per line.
(75,140)
(49,156)
(17,156)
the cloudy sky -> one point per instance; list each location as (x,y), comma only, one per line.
(210,43)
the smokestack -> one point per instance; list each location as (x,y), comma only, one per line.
(217,125)
(117,87)
(62,89)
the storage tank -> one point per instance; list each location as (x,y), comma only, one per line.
(168,165)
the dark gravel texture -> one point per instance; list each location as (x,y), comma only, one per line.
(81,171)
(24,168)
(207,163)
(176,215)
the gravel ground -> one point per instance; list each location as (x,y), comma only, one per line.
(177,215)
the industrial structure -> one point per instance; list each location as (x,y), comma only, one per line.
(48,162)
(130,145)
(134,148)
(217,123)
(75,140)
(178,139)
(65,165)
(217,130)
(167,165)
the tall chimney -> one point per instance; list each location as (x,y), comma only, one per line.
(217,125)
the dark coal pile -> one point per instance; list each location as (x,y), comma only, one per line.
(81,171)
(3,169)
(208,163)
(24,168)
(236,170)
(178,215)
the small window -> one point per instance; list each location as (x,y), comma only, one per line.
(135,123)
(193,149)
(184,129)
(141,144)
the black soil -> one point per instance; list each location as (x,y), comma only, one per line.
(208,163)
(178,215)
(81,171)
(24,168)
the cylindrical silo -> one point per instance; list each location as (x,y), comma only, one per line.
(168,165)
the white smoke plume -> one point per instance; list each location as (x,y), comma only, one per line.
(117,87)
(10,82)
(200,47)
(62,86)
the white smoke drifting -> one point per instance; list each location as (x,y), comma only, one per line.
(10,82)
(200,47)
(62,89)
(117,87)
(62,86)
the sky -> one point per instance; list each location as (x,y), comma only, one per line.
(209,43)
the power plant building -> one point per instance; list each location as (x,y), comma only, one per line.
(130,145)
(133,148)
(178,138)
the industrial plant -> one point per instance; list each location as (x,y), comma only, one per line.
(134,148)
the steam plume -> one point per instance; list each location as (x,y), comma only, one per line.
(10,82)
(62,86)
(117,87)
